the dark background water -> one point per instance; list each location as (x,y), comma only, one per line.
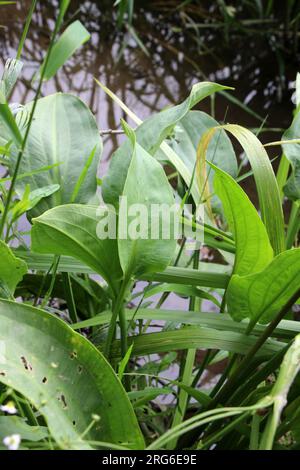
(258,56)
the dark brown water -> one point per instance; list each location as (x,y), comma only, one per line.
(259,64)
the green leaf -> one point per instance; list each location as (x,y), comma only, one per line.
(292,153)
(72,230)
(287,373)
(186,137)
(43,262)
(186,291)
(12,270)
(15,425)
(8,127)
(206,276)
(198,395)
(71,39)
(262,295)
(195,338)
(65,378)
(29,173)
(124,362)
(193,277)
(84,291)
(147,185)
(266,184)
(142,397)
(150,135)
(31,199)
(63,133)
(253,249)
(223,322)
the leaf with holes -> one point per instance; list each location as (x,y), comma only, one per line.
(66,378)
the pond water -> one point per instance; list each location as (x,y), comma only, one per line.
(261,74)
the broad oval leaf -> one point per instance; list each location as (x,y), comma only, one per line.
(12,270)
(16,425)
(253,249)
(65,378)
(147,187)
(262,295)
(150,135)
(63,133)
(72,230)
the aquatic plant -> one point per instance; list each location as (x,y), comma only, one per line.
(76,322)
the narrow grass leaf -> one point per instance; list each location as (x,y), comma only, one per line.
(12,269)
(266,184)
(71,39)
(196,338)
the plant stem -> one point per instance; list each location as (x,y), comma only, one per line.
(25,30)
(254,435)
(221,433)
(187,372)
(70,297)
(267,440)
(294,225)
(53,278)
(117,311)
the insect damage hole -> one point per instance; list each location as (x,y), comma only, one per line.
(73,355)
(45,380)
(62,398)
(25,363)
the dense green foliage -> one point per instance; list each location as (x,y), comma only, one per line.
(76,311)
